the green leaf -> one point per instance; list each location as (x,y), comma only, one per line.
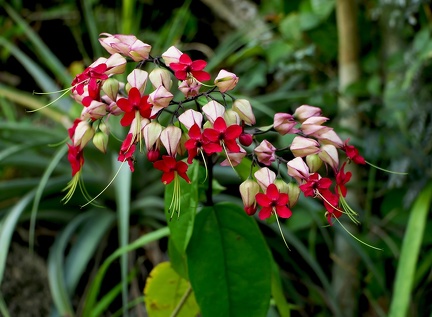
(166,291)
(229,263)
(409,254)
(181,227)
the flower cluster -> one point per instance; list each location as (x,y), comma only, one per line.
(206,124)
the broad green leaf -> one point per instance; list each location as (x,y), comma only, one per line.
(229,263)
(178,260)
(181,226)
(166,291)
(409,254)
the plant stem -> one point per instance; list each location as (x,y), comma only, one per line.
(181,302)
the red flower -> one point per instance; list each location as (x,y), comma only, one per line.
(133,104)
(75,158)
(353,153)
(331,203)
(127,150)
(271,201)
(221,134)
(196,142)
(94,87)
(315,184)
(341,179)
(95,73)
(171,168)
(186,66)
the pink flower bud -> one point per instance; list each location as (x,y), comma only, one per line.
(160,77)
(116,64)
(160,98)
(83,134)
(313,125)
(248,189)
(265,153)
(226,81)
(213,110)
(284,123)
(244,109)
(170,138)
(265,177)
(191,117)
(328,136)
(94,111)
(302,146)
(190,87)
(304,112)
(127,45)
(138,79)
(329,155)
(314,162)
(172,55)
(152,132)
(298,169)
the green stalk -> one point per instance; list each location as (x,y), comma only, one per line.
(409,254)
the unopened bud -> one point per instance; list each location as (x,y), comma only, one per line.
(293,194)
(160,76)
(314,162)
(244,110)
(248,190)
(231,117)
(111,88)
(245,139)
(100,141)
(226,81)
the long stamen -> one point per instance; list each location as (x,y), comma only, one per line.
(229,160)
(106,187)
(388,171)
(370,246)
(55,100)
(280,229)
(205,165)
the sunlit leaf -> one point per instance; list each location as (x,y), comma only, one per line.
(166,291)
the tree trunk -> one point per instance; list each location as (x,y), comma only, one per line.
(345,279)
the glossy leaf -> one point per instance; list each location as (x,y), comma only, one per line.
(229,263)
(181,227)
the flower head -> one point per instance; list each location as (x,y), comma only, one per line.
(273,202)
(171,169)
(187,68)
(134,105)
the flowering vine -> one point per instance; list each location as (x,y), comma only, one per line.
(207,124)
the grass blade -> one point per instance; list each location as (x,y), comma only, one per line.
(122,186)
(409,254)
(90,300)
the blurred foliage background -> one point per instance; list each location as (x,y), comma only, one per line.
(286,53)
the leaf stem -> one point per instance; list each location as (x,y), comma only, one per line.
(181,302)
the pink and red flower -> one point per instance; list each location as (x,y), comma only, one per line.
(186,66)
(132,104)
